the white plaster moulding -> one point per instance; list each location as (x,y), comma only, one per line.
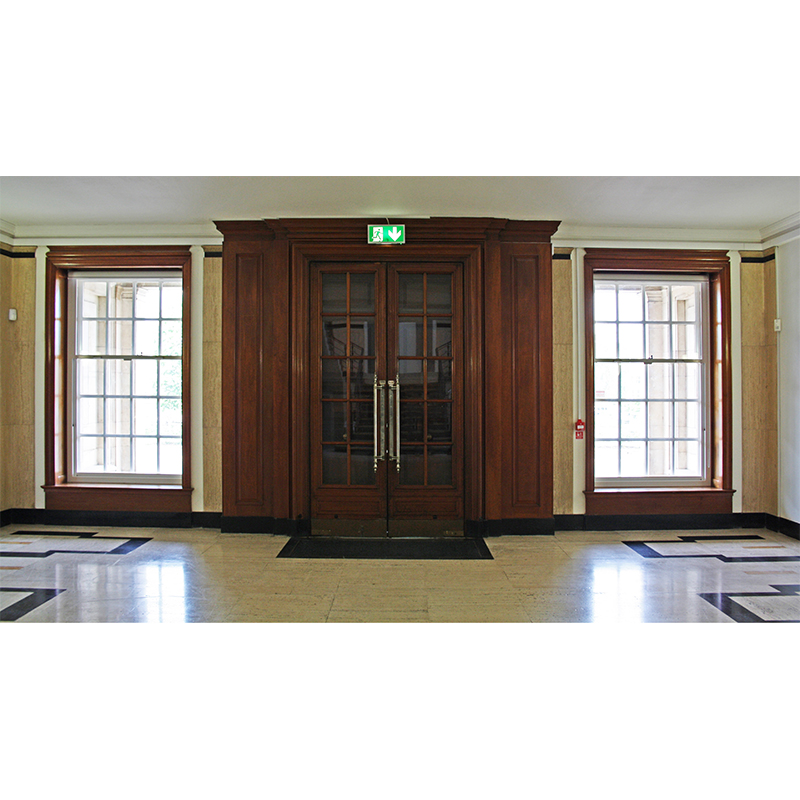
(785,230)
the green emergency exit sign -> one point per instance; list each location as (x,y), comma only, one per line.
(386,234)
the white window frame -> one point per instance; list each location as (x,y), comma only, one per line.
(74,320)
(704,479)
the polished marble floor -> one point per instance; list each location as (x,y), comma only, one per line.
(201,575)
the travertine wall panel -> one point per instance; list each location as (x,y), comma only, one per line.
(759,386)
(212,384)
(562,384)
(18,291)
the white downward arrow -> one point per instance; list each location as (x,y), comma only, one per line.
(395,233)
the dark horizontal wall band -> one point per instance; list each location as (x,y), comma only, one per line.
(281,527)
(16,255)
(758,259)
(214,255)
(561,256)
(116,519)
(658,522)
(519,527)
(781,525)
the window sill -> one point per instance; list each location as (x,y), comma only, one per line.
(659,501)
(117,497)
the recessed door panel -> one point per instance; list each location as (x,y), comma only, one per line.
(386,398)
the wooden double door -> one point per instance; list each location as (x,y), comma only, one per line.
(386,399)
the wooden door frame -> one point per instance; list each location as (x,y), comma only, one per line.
(302,256)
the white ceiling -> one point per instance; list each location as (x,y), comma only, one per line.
(35,204)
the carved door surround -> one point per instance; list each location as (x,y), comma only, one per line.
(507,363)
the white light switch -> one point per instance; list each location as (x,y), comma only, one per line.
(12,314)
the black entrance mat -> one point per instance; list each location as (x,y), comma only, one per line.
(395,549)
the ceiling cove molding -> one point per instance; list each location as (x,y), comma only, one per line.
(7,232)
(782,231)
(662,238)
(52,235)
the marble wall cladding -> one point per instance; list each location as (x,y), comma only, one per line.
(562,384)
(212,384)
(759,386)
(18,291)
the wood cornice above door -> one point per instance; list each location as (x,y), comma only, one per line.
(417,230)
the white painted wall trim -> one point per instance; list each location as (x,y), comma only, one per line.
(39,350)
(785,230)
(736,376)
(196,381)
(578,381)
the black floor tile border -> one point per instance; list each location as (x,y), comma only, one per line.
(645,551)
(389,549)
(36,598)
(130,544)
(726,603)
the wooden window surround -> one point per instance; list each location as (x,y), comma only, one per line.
(718,497)
(70,496)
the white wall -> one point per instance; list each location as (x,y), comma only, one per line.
(788,271)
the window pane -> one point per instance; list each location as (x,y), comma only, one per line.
(631,340)
(334,464)
(410,293)
(334,336)
(171,457)
(659,420)
(440,423)
(605,302)
(362,336)
(606,420)
(170,378)
(170,417)
(362,469)
(118,376)
(439,295)
(362,293)
(684,341)
(411,422)
(657,303)
(120,337)
(118,454)
(92,338)
(658,341)
(659,381)
(440,337)
(632,459)
(120,299)
(440,466)
(145,455)
(362,426)
(687,381)
(334,293)
(659,459)
(334,422)
(90,376)
(362,377)
(630,303)
(632,421)
(440,380)
(93,297)
(410,374)
(171,339)
(632,380)
(145,378)
(90,415)
(91,456)
(334,377)
(687,459)
(118,416)
(145,417)
(412,465)
(606,459)
(687,420)
(606,381)
(146,334)
(605,340)
(148,300)
(684,303)
(172,300)
(410,337)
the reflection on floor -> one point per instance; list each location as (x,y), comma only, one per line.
(201,575)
